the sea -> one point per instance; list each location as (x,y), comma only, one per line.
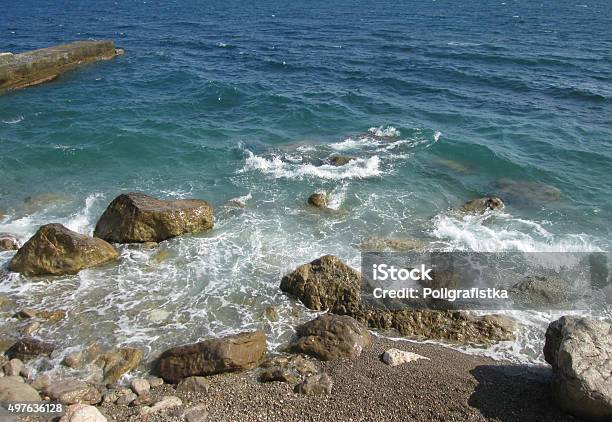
(242,104)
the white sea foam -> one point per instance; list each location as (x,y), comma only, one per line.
(13,120)
(494,232)
(274,166)
(386,132)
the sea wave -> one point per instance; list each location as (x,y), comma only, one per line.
(276,167)
(495,232)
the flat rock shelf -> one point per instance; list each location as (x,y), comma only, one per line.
(38,66)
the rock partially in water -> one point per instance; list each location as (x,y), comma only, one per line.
(50,316)
(541,291)
(82,413)
(29,348)
(529,192)
(82,357)
(318,199)
(45,64)
(326,283)
(56,250)
(481,205)
(579,349)
(378,244)
(329,284)
(73,391)
(138,218)
(320,384)
(117,362)
(228,354)
(340,160)
(330,337)
(8,242)
(13,390)
(455,327)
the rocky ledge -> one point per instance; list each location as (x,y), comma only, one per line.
(328,284)
(38,66)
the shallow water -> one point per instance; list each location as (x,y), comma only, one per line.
(440,102)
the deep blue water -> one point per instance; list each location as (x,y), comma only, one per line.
(222,99)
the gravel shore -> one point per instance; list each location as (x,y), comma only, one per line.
(452,386)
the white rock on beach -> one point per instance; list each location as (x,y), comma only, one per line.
(394,357)
(82,413)
(167,402)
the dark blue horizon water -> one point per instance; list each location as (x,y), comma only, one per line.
(440,101)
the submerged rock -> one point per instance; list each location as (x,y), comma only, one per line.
(326,283)
(330,337)
(480,205)
(580,352)
(117,362)
(524,191)
(319,384)
(228,354)
(38,66)
(377,244)
(138,218)
(56,250)
(318,199)
(8,242)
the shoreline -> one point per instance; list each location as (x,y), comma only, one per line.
(451,386)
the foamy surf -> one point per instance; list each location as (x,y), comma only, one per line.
(275,166)
(496,232)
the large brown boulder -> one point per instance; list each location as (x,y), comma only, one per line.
(330,337)
(56,250)
(138,218)
(326,283)
(228,354)
(580,352)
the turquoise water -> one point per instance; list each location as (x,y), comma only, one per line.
(440,102)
